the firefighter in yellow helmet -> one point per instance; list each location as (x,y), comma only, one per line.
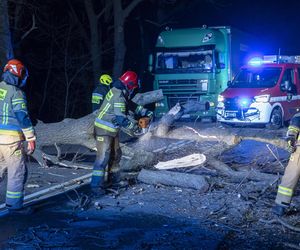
(112,116)
(292,172)
(101,90)
(15,129)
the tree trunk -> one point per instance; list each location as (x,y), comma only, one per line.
(120,15)
(148,97)
(119,43)
(95,39)
(6,51)
(171,178)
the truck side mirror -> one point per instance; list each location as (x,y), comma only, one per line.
(150,63)
(229,84)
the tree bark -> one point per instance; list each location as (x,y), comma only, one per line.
(171,178)
(6,51)
(148,97)
(95,39)
(120,15)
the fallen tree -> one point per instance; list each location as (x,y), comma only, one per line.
(80,132)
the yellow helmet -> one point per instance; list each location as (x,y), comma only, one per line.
(105,79)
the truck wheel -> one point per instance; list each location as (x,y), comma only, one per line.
(276,119)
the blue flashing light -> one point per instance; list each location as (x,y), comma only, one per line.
(244,102)
(256,61)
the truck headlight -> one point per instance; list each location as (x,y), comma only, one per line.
(159,104)
(202,84)
(220,98)
(262,98)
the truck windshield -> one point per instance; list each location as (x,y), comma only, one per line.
(184,61)
(256,78)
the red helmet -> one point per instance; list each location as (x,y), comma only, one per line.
(129,79)
(16,68)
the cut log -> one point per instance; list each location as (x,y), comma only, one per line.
(148,97)
(177,112)
(225,170)
(187,161)
(171,178)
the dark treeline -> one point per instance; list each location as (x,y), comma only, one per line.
(68,44)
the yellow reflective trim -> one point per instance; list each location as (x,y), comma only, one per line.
(13,196)
(100,138)
(285,188)
(96,99)
(119,104)
(109,95)
(18,152)
(3,93)
(293,128)
(285,193)
(98,173)
(11,192)
(10,132)
(99,125)
(103,111)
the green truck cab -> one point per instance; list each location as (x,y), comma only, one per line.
(196,64)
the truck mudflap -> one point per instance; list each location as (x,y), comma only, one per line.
(240,115)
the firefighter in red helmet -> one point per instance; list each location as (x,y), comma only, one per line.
(112,116)
(15,130)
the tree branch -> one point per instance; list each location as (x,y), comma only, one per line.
(130,7)
(33,27)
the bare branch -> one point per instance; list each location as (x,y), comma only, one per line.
(130,7)
(33,27)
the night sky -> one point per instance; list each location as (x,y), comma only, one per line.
(275,22)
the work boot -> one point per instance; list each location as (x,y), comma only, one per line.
(21,211)
(97,191)
(120,184)
(279,210)
(117,182)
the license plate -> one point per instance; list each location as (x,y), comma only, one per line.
(230,114)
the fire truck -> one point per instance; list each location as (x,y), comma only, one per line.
(196,63)
(266,91)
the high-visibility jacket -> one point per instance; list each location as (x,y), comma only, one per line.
(98,95)
(113,113)
(14,118)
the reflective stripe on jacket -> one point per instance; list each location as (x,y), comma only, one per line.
(98,95)
(14,118)
(112,114)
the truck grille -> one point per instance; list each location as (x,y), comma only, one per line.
(188,86)
(172,100)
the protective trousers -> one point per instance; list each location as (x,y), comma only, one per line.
(12,157)
(289,180)
(107,160)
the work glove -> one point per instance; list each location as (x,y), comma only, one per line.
(149,114)
(30,147)
(291,144)
(137,131)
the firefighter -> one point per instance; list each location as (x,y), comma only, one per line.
(15,128)
(292,171)
(100,91)
(112,115)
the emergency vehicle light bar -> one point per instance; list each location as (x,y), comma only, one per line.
(258,61)
(281,59)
